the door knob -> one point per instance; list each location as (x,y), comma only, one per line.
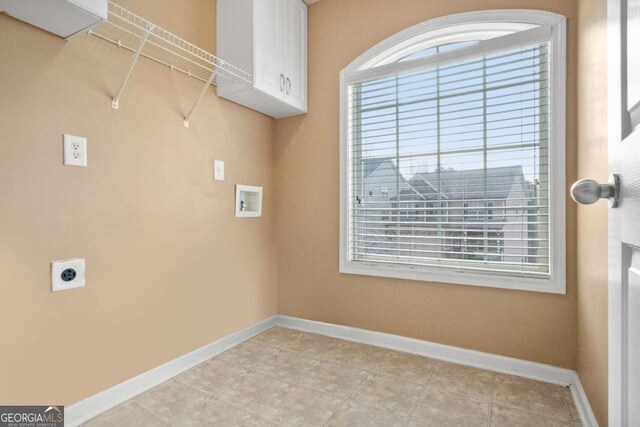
(588,191)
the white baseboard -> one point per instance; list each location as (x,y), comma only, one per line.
(493,362)
(477,359)
(107,399)
(587,417)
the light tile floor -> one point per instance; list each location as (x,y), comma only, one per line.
(284,377)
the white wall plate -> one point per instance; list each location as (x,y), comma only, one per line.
(218,170)
(67,274)
(75,151)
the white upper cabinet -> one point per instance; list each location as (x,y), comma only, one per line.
(295,60)
(268,52)
(268,38)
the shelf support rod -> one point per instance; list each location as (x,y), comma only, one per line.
(204,90)
(115,103)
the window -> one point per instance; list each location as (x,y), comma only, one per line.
(457,128)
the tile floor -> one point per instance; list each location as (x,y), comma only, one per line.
(284,377)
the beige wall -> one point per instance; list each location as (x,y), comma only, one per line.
(592,220)
(526,325)
(169,266)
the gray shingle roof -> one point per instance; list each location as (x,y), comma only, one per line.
(370,165)
(467,185)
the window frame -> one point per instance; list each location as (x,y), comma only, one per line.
(377,63)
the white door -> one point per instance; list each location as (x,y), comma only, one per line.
(624,221)
(268,46)
(296,54)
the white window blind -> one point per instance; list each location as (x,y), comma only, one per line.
(449,166)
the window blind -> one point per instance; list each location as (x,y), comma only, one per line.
(449,165)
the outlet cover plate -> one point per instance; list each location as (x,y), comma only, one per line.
(75,151)
(57,267)
(218,170)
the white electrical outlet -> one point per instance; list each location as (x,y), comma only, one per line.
(67,274)
(218,170)
(75,151)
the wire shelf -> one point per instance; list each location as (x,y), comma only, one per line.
(127,30)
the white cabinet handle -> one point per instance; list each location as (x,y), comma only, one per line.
(281,82)
(288,85)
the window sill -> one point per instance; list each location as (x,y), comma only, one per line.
(551,285)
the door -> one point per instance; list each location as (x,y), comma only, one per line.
(624,222)
(268,47)
(296,54)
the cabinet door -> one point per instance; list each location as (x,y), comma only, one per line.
(295,65)
(268,46)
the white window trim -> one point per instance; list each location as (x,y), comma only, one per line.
(554,30)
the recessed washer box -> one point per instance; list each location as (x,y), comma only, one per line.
(67,274)
(248,201)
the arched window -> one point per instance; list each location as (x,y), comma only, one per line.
(457,116)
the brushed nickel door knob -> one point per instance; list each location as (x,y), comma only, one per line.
(588,191)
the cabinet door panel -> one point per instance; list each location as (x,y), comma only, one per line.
(296,53)
(268,51)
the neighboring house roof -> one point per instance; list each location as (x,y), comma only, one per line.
(381,173)
(467,185)
(455,186)
(370,165)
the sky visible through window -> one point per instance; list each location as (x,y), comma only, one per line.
(436,118)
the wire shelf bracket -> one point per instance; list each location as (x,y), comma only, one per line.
(145,39)
(204,90)
(116,101)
